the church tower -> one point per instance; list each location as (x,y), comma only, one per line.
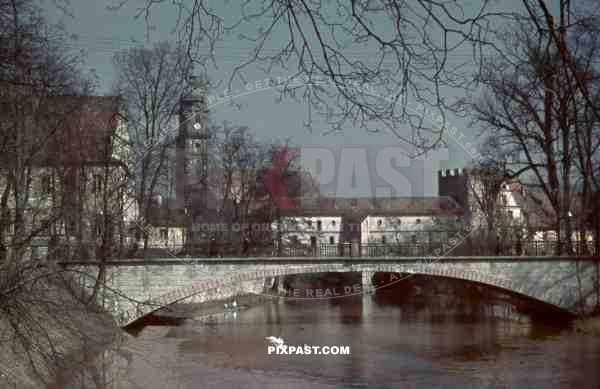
(192,144)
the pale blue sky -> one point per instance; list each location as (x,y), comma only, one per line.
(101,33)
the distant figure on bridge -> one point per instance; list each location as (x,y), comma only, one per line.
(212,247)
(246,247)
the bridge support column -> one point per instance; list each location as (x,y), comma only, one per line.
(279,287)
(270,284)
(367,281)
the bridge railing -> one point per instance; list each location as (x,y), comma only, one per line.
(348,249)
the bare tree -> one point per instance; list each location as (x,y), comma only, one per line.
(36,75)
(239,161)
(485,186)
(151,83)
(528,109)
(404,50)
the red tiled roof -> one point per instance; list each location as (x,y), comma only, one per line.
(65,130)
(80,129)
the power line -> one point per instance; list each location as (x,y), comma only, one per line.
(108,44)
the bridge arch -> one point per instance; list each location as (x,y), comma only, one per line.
(231,284)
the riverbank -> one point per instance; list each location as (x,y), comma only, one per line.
(46,330)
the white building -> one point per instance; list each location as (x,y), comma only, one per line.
(78,179)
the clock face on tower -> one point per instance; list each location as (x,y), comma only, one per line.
(198,130)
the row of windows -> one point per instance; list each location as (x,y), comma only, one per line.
(70,224)
(319,223)
(198,145)
(313,240)
(379,221)
(47,183)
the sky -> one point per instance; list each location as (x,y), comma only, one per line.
(101,33)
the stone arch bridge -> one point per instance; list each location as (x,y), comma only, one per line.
(134,289)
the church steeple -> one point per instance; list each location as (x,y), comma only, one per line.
(196,91)
(192,140)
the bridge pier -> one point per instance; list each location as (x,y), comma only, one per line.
(279,287)
(270,284)
(367,281)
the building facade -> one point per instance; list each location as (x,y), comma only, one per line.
(69,197)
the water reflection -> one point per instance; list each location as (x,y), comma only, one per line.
(406,337)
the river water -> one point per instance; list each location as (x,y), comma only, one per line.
(392,345)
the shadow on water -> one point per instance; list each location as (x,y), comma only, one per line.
(446,299)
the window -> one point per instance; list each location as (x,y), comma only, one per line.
(418,221)
(413,238)
(331,240)
(46,184)
(57,228)
(198,146)
(10,228)
(510,214)
(318,225)
(333,223)
(309,223)
(72,224)
(383,239)
(99,225)
(379,222)
(97,183)
(164,234)
(187,166)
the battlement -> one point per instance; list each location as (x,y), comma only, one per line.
(453,172)
(460,172)
(454,183)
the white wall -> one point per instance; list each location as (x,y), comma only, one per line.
(374,228)
(305,227)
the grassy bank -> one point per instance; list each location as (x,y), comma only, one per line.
(45,331)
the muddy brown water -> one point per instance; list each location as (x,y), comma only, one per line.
(393,344)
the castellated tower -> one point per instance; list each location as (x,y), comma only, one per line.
(456,183)
(192,146)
